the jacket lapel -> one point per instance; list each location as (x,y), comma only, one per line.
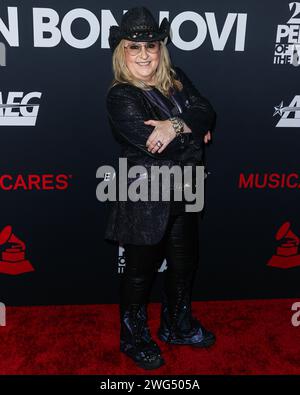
(159,100)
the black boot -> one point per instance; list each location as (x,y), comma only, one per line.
(178,326)
(135,337)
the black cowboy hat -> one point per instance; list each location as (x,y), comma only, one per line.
(138,24)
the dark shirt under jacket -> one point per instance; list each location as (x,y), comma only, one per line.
(144,223)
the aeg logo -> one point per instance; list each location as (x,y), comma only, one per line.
(289,115)
(17,111)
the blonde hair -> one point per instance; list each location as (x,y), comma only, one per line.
(165,74)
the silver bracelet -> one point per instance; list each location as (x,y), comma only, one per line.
(177,125)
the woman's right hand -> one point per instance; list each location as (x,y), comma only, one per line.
(163,132)
(207,137)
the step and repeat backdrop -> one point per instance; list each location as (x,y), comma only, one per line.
(54,134)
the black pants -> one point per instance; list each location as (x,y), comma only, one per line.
(180,248)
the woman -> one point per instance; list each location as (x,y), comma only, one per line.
(159,118)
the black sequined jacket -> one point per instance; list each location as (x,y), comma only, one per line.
(143,222)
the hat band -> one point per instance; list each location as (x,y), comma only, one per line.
(141,34)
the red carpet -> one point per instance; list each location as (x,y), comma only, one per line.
(253,337)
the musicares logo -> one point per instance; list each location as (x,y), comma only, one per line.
(269,180)
(287,250)
(12,253)
(29,182)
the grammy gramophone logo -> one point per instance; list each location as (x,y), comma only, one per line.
(287,250)
(12,253)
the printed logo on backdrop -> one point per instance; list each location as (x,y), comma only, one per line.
(275,181)
(51,28)
(15,109)
(287,252)
(34,182)
(287,46)
(289,115)
(122,262)
(12,253)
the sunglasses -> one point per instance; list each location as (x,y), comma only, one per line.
(151,47)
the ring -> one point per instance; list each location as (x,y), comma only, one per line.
(159,143)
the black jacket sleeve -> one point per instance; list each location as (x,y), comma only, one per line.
(127,113)
(200,115)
